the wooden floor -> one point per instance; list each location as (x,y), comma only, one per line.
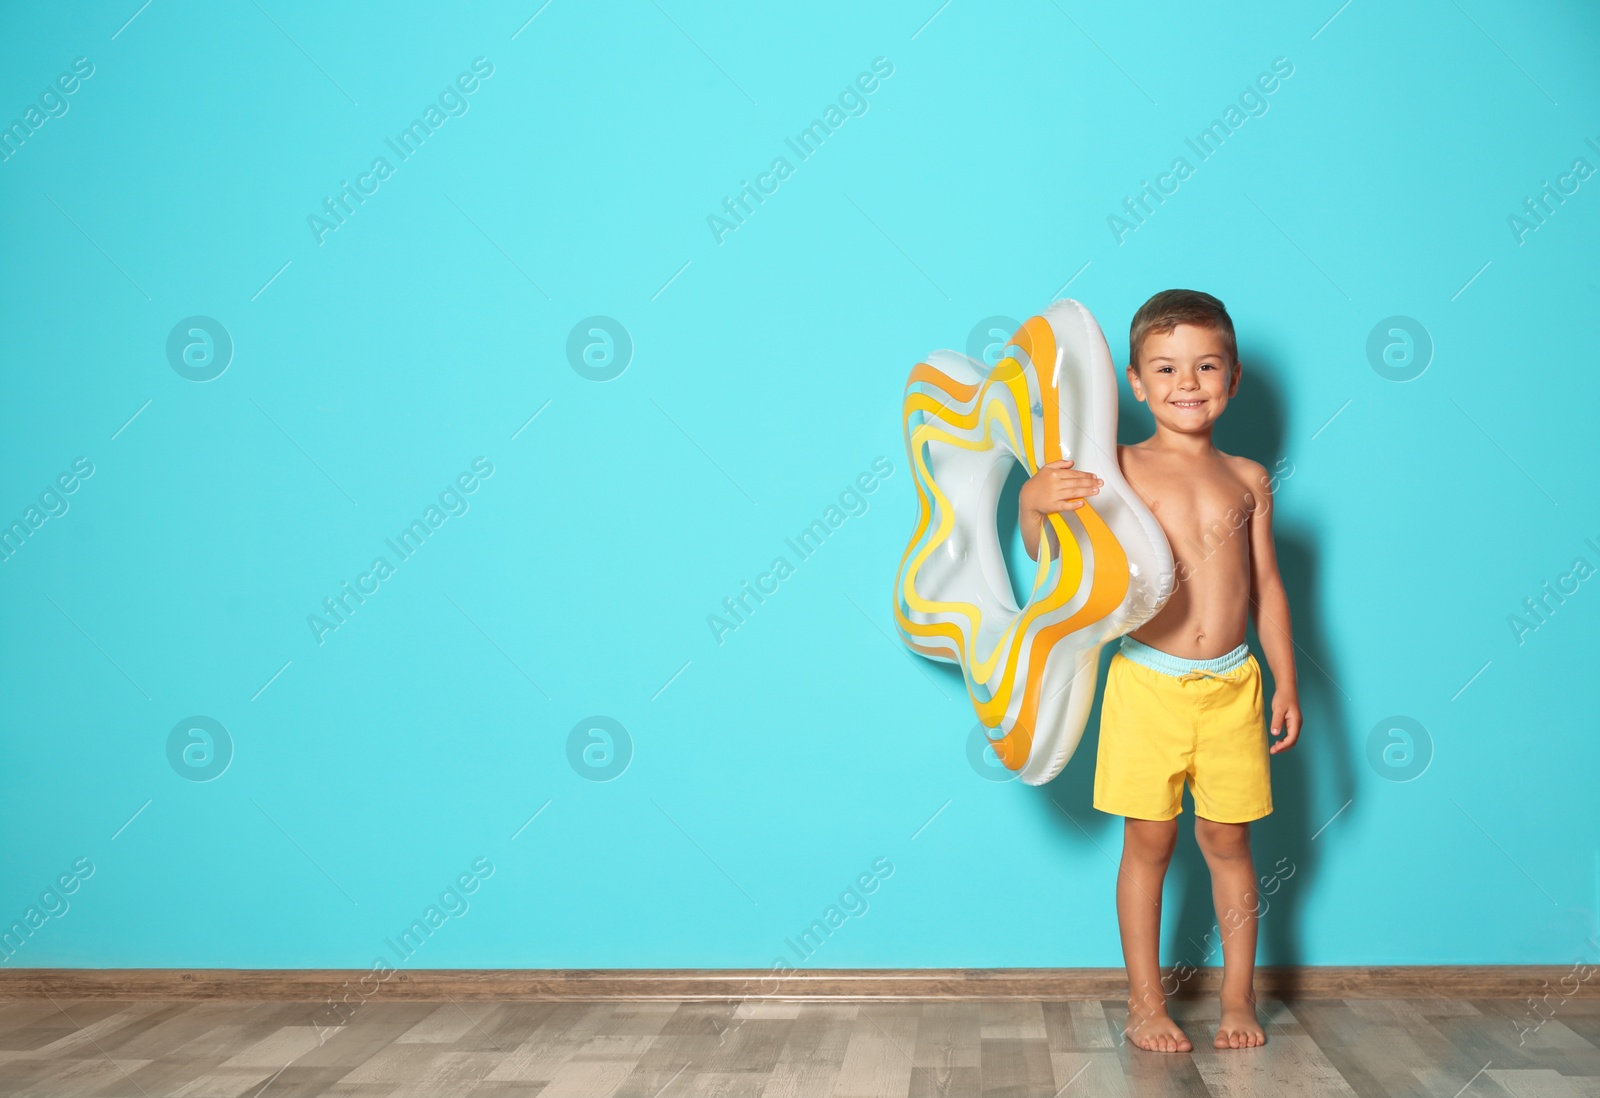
(1387,1047)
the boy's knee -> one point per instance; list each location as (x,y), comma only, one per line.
(1222,840)
(1150,840)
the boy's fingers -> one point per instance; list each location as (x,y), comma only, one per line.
(1080,483)
(1074,485)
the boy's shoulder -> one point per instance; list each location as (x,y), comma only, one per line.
(1253,471)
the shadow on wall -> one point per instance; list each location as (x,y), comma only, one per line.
(1286,845)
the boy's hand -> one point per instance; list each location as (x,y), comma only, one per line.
(1057,486)
(1285,721)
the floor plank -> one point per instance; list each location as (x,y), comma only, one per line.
(772,1048)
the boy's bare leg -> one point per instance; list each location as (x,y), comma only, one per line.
(1233,891)
(1146,850)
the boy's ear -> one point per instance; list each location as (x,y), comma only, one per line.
(1133,380)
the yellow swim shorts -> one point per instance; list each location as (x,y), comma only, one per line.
(1165,718)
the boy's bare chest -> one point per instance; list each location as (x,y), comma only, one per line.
(1195,502)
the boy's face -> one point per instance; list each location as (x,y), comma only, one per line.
(1185,377)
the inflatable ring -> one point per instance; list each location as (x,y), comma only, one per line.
(1104,568)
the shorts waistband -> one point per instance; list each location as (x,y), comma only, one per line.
(1168,664)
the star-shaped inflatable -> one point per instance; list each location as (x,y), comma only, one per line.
(1104,568)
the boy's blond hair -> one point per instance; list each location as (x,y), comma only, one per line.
(1169,308)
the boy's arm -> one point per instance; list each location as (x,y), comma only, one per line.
(1269,606)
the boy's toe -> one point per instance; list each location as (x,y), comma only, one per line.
(1239,1037)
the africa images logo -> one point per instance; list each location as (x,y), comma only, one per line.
(852,103)
(452,102)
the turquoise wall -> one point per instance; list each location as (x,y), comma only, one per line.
(232,385)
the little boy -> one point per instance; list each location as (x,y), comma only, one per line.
(1183,693)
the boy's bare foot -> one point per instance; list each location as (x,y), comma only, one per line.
(1239,1028)
(1156,1033)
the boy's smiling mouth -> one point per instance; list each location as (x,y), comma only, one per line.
(1186,403)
